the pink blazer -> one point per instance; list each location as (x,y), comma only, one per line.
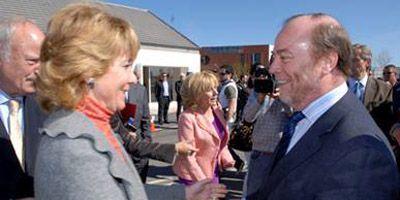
(193,126)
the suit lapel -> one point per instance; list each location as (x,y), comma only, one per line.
(218,112)
(207,126)
(307,146)
(33,120)
(3,131)
(368,94)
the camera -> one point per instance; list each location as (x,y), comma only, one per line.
(264,82)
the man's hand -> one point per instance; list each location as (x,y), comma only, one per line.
(206,190)
(185,148)
(261,96)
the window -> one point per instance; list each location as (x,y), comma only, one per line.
(255,58)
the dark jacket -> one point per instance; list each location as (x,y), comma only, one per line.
(178,85)
(14,182)
(378,101)
(343,155)
(142,148)
(160,90)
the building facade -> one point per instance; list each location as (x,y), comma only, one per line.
(240,57)
(163,48)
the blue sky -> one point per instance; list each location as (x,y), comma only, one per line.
(230,22)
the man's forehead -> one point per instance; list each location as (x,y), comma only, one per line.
(357,53)
(295,34)
(27,33)
(288,43)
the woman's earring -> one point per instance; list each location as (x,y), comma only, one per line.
(90,83)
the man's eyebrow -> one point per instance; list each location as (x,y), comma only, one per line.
(280,51)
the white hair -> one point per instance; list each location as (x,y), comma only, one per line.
(7,28)
(137,70)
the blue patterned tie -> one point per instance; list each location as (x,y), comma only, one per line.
(287,136)
(357,90)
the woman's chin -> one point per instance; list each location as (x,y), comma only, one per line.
(120,107)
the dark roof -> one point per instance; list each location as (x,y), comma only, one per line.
(151,30)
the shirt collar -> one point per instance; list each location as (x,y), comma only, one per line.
(4,97)
(323,103)
(353,81)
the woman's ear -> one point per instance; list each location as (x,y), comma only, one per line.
(90,83)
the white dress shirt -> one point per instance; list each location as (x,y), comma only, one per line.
(166,88)
(5,112)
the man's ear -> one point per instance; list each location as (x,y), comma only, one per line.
(329,62)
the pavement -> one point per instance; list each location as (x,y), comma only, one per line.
(161,173)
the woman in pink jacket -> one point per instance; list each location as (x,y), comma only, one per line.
(202,123)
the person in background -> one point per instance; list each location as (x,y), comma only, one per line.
(20,115)
(203,123)
(85,72)
(138,96)
(269,115)
(228,93)
(228,96)
(330,147)
(390,74)
(375,94)
(178,85)
(242,96)
(164,97)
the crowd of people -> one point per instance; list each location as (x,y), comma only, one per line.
(323,126)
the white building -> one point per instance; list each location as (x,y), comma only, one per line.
(163,49)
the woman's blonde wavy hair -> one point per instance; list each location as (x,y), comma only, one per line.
(196,85)
(82,42)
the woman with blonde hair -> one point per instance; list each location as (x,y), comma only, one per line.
(86,68)
(203,123)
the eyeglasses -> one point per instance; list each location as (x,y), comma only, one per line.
(388,73)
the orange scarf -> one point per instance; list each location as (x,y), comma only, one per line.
(100,116)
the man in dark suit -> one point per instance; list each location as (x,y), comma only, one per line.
(164,97)
(178,85)
(330,147)
(20,42)
(137,95)
(375,94)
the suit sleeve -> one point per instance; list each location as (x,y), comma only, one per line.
(171,94)
(142,148)
(177,88)
(158,192)
(365,174)
(157,90)
(154,150)
(186,133)
(145,121)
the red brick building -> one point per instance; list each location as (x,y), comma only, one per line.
(240,57)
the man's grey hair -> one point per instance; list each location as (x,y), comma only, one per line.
(137,70)
(7,28)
